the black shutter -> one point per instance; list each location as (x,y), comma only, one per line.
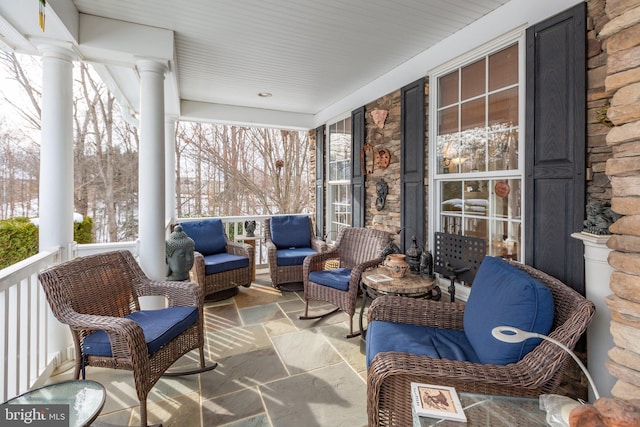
(357,176)
(412,124)
(320,182)
(555,145)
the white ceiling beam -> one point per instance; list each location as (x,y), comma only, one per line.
(244,116)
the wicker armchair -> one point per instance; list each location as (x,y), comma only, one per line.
(356,250)
(540,371)
(97,297)
(285,266)
(219,264)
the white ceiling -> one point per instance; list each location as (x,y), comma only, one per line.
(309,54)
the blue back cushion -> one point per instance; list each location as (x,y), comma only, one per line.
(208,235)
(158,326)
(418,340)
(291,231)
(288,257)
(504,295)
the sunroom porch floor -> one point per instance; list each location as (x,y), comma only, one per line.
(274,370)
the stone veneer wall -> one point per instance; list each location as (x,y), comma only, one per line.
(621,39)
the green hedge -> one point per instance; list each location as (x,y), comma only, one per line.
(19,238)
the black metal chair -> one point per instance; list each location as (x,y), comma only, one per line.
(458,257)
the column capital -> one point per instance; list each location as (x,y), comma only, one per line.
(56,49)
(144,65)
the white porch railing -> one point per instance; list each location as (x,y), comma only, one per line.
(25,361)
(24,356)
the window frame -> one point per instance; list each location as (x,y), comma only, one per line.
(333,226)
(436,177)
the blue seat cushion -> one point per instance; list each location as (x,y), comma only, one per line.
(419,340)
(288,257)
(159,328)
(337,279)
(504,295)
(224,262)
(208,235)
(290,231)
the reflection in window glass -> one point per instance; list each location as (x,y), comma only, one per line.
(477,168)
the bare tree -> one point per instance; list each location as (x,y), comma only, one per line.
(247,170)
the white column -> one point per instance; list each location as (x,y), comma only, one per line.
(151,199)
(597,273)
(56,169)
(170,168)
(56,149)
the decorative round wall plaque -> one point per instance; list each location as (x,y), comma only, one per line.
(502,189)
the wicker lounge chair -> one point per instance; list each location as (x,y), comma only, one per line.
(538,372)
(220,265)
(97,297)
(289,239)
(356,250)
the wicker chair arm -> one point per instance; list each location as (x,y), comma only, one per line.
(318,245)
(240,249)
(316,262)
(125,335)
(177,293)
(197,272)
(362,267)
(437,314)
(412,368)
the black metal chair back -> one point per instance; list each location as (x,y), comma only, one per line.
(458,257)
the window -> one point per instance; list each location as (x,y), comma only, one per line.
(339,178)
(478,169)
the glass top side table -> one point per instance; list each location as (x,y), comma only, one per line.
(84,397)
(495,411)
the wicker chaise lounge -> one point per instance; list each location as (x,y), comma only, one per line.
(539,371)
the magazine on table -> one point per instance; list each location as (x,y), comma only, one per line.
(379,278)
(436,401)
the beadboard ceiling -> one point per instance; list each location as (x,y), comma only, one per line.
(307,53)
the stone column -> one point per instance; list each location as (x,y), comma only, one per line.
(170,168)
(56,168)
(151,198)
(622,41)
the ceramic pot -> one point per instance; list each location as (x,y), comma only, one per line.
(396,265)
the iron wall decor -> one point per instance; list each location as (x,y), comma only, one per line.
(381,190)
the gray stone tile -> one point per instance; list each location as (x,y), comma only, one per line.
(279,327)
(221,317)
(258,421)
(352,350)
(257,295)
(331,396)
(243,370)
(261,313)
(177,412)
(305,350)
(224,343)
(239,408)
